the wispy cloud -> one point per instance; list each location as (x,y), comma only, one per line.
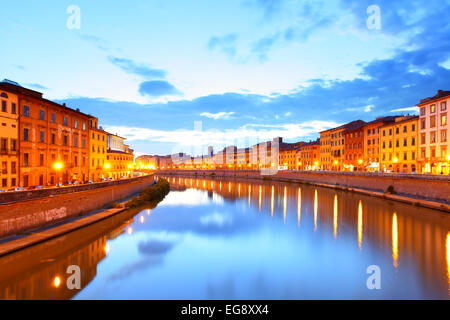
(158,88)
(413,109)
(226,44)
(132,67)
(218,115)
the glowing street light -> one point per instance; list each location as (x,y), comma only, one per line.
(107,166)
(58,165)
(395,160)
(360,161)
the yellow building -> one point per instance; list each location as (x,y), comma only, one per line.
(332,146)
(399,145)
(287,158)
(9,130)
(98,146)
(119,158)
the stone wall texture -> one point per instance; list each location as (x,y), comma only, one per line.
(39,208)
(414,185)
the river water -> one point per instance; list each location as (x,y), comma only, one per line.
(240,239)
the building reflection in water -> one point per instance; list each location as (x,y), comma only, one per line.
(316,199)
(421,235)
(360,224)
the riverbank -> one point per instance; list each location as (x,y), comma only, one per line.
(31,214)
(422,191)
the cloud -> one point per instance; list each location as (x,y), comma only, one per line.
(131,67)
(225,44)
(155,247)
(412,109)
(36,86)
(97,41)
(261,47)
(157,88)
(219,115)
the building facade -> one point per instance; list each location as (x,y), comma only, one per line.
(53,140)
(9,142)
(119,158)
(98,147)
(434,129)
(399,145)
(309,156)
(354,148)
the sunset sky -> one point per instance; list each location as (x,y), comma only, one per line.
(247,69)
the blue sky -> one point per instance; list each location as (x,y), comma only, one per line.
(247,69)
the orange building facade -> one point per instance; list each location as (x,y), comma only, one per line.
(354,148)
(53,140)
(309,156)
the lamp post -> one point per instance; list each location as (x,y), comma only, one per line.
(58,167)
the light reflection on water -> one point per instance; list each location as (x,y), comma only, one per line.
(245,240)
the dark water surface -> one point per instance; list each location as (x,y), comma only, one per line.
(221,239)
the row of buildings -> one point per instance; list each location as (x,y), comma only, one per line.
(43,143)
(402,144)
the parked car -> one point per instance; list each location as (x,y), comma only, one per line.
(18,189)
(90,181)
(1,190)
(39,187)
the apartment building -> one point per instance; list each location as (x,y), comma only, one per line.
(354,147)
(399,145)
(372,142)
(9,134)
(309,156)
(434,129)
(119,158)
(53,140)
(98,147)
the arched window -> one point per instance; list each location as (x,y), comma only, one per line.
(4,95)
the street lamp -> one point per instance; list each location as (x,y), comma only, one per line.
(58,165)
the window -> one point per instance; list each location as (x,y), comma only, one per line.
(53,138)
(4,167)
(433,137)
(3,106)
(25,181)
(76,141)
(13,108)
(41,160)
(405,142)
(4,144)
(13,182)
(405,129)
(413,127)
(422,124)
(413,155)
(76,161)
(444,136)
(443,106)
(84,126)
(41,114)
(443,119)
(84,143)
(41,180)
(65,140)
(13,167)
(433,108)
(65,121)
(53,118)
(433,122)
(397,130)
(422,111)
(25,160)
(4,183)
(390,132)
(405,156)
(422,138)
(41,136)
(25,134)
(413,141)
(26,111)
(76,124)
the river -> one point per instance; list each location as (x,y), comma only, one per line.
(241,239)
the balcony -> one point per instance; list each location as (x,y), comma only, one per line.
(8,152)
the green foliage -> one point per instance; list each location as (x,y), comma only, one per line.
(153,193)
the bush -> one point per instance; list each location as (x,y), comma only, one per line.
(390,189)
(156,192)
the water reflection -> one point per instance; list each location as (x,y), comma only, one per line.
(214,248)
(335,216)
(395,240)
(360,224)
